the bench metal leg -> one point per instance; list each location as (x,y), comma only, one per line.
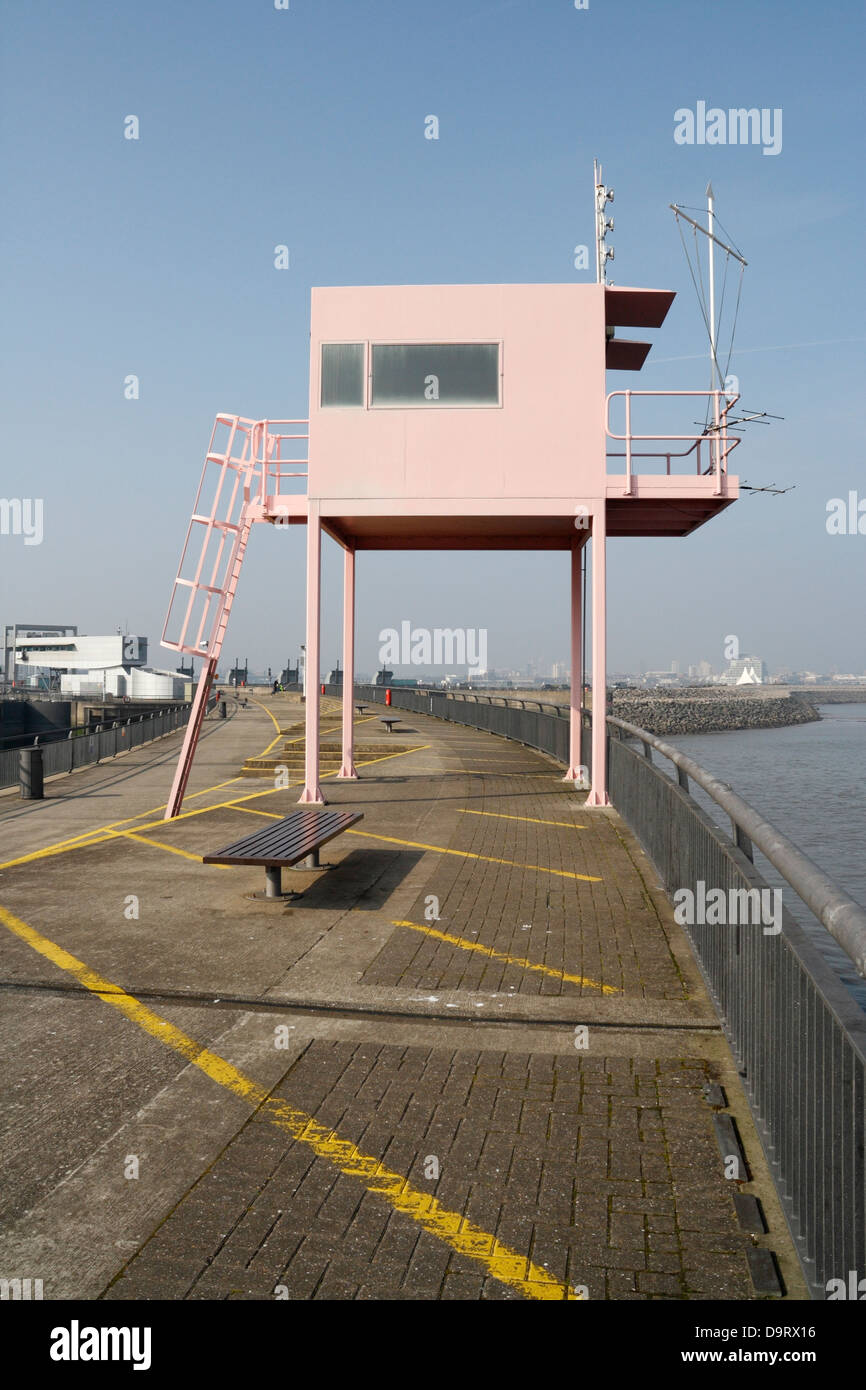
(311,862)
(274,886)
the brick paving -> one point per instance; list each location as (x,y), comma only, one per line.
(602,1170)
(572,1129)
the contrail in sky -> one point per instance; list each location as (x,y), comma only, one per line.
(776,347)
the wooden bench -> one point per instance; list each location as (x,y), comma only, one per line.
(389,721)
(283,843)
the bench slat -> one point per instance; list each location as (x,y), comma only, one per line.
(286,841)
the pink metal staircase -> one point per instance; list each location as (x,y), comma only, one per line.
(245,479)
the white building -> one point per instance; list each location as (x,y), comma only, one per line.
(746,670)
(94,667)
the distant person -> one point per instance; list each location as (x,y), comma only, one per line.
(276,687)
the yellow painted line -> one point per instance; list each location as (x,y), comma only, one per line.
(104,833)
(97,838)
(480,772)
(401,753)
(251,811)
(272,717)
(87,836)
(524,964)
(532,820)
(463,1236)
(169,849)
(465,854)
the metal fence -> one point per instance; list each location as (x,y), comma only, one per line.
(83,747)
(797,1034)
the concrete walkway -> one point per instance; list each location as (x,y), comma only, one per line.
(474,1060)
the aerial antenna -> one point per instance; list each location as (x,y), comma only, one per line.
(708,312)
(771,488)
(603,225)
(714,365)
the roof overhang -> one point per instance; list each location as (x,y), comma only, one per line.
(625,355)
(636,308)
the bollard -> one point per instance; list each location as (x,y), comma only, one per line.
(387,697)
(30,774)
(222,709)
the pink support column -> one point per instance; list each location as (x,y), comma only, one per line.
(312,791)
(347,769)
(576,772)
(190,740)
(598,796)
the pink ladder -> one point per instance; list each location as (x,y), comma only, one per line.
(244,460)
(224,528)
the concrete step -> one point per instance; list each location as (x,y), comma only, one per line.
(299,749)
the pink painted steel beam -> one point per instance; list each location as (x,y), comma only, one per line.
(598,795)
(193,729)
(312,791)
(347,768)
(576,772)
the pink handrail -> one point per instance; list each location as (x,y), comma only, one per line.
(717,437)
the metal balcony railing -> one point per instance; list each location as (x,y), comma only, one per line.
(274,470)
(710,447)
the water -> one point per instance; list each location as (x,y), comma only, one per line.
(810,782)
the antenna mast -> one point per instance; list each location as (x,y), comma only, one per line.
(603,225)
(714,366)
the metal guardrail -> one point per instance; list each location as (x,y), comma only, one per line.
(797,1034)
(86,747)
(843,917)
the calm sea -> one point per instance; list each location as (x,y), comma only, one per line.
(810,782)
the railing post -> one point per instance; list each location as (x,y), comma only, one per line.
(627,443)
(742,840)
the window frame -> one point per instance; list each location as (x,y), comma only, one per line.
(436,405)
(369,343)
(364,344)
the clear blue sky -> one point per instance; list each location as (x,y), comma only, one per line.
(306,127)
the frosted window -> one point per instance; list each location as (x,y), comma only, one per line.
(435,374)
(342,374)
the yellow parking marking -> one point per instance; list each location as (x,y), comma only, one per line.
(509,1268)
(465,854)
(251,811)
(482,772)
(402,753)
(524,964)
(102,833)
(532,820)
(170,849)
(97,837)
(87,836)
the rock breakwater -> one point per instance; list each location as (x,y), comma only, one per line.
(693,712)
